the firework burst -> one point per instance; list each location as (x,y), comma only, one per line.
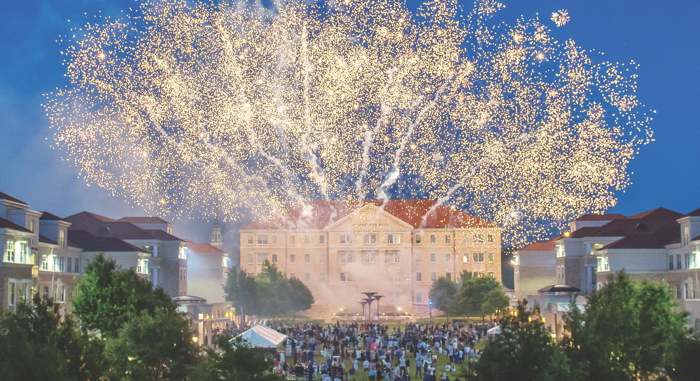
(234,109)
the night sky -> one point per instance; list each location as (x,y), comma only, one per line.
(662,36)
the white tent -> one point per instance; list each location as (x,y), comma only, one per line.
(494,331)
(263,337)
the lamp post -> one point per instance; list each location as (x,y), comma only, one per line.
(430,305)
(377,297)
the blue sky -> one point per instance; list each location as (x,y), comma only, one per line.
(662,36)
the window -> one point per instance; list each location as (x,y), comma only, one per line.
(678,291)
(322,258)
(465,258)
(345,277)
(490,256)
(419,297)
(262,239)
(274,239)
(670,262)
(322,277)
(182,253)
(262,257)
(307,258)
(250,259)
(25,293)
(687,261)
(274,258)
(250,239)
(433,277)
(392,256)
(141,266)
(307,277)
(292,258)
(489,238)
(76,265)
(393,239)
(465,238)
(69,265)
(432,238)
(11,292)
(45,294)
(10,251)
(448,257)
(24,252)
(478,238)
(45,262)
(685,237)
(417,238)
(306,239)
(61,264)
(419,277)
(346,238)
(370,238)
(369,256)
(62,238)
(478,257)
(679,263)
(686,294)
(321,239)
(291,240)
(448,276)
(418,257)
(560,251)
(432,258)
(448,238)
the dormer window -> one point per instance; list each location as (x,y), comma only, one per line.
(685,236)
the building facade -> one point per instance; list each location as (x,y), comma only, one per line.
(398,248)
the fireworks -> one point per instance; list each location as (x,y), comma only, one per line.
(234,109)
(561,17)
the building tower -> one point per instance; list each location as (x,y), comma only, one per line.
(216,234)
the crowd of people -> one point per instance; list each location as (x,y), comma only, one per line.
(376,352)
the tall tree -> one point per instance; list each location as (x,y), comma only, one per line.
(628,332)
(300,297)
(443,294)
(686,365)
(37,344)
(524,351)
(473,294)
(234,360)
(107,296)
(495,300)
(240,288)
(152,346)
(272,291)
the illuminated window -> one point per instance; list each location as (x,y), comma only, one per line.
(465,258)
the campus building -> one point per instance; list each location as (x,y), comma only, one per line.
(397,248)
(657,245)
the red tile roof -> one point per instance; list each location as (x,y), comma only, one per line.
(162,235)
(655,240)
(144,220)
(5,196)
(89,242)
(600,217)
(5,224)
(318,214)
(656,213)
(540,246)
(202,247)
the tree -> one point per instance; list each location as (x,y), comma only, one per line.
(494,301)
(473,294)
(107,296)
(152,346)
(36,344)
(300,297)
(240,289)
(272,291)
(235,360)
(628,332)
(443,294)
(686,365)
(523,351)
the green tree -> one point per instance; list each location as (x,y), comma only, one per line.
(524,351)
(443,294)
(36,344)
(496,300)
(628,332)
(152,346)
(234,360)
(272,291)
(686,365)
(300,297)
(240,289)
(107,296)
(472,294)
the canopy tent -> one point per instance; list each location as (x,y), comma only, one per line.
(494,331)
(263,337)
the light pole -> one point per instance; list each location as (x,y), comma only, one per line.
(430,305)
(363,308)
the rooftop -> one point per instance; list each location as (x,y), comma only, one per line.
(89,242)
(46,216)
(144,220)
(5,196)
(202,247)
(319,214)
(600,217)
(5,224)
(540,246)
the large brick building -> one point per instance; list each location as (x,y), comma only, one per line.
(397,248)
